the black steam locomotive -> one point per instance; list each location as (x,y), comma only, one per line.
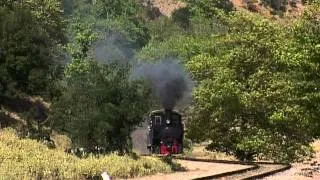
(165,132)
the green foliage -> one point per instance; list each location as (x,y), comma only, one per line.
(112,9)
(257,84)
(27,64)
(100,105)
(48,14)
(209,8)
(123,17)
(162,29)
(99,100)
(257,92)
(276,4)
(133,29)
(106,16)
(307,42)
(84,37)
(252,91)
(182,17)
(25,158)
(181,37)
(310,1)
(182,46)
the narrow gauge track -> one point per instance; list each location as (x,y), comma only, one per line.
(257,170)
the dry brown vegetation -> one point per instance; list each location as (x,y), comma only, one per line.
(29,159)
(167,7)
(199,151)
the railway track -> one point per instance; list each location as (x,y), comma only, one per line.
(257,170)
(254,170)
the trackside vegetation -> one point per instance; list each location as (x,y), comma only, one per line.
(66,68)
(257,93)
(25,158)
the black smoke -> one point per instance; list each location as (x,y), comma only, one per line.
(169,81)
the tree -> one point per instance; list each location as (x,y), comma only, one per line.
(257,85)
(48,14)
(27,64)
(256,93)
(119,17)
(30,58)
(307,51)
(113,9)
(276,4)
(31,33)
(210,8)
(101,107)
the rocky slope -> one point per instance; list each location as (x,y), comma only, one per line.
(292,7)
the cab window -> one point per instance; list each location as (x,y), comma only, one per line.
(157,120)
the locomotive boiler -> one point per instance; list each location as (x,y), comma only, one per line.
(165,132)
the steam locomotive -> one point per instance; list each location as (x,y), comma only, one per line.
(165,132)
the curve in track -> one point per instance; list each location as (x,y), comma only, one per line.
(256,171)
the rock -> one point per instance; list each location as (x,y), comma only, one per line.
(105,176)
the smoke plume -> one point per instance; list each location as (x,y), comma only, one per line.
(169,81)
(113,47)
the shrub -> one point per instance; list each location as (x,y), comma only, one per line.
(25,158)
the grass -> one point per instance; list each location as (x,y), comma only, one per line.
(316,146)
(199,151)
(28,159)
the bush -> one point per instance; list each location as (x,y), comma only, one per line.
(25,158)
(101,106)
(27,65)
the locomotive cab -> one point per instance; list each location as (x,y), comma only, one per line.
(165,132)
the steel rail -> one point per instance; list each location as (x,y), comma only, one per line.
(254,166)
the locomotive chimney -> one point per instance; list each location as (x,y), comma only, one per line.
(168,114)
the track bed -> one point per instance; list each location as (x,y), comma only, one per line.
(215,169)
(196,169)
(261,171)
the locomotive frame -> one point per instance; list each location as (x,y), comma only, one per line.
(165,132)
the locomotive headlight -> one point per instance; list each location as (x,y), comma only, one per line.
(168,121)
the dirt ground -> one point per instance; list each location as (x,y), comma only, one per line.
(167,7)
(299,171)
(306,170)
(196,169)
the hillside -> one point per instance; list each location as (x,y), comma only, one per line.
(293,7)
(82,75)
